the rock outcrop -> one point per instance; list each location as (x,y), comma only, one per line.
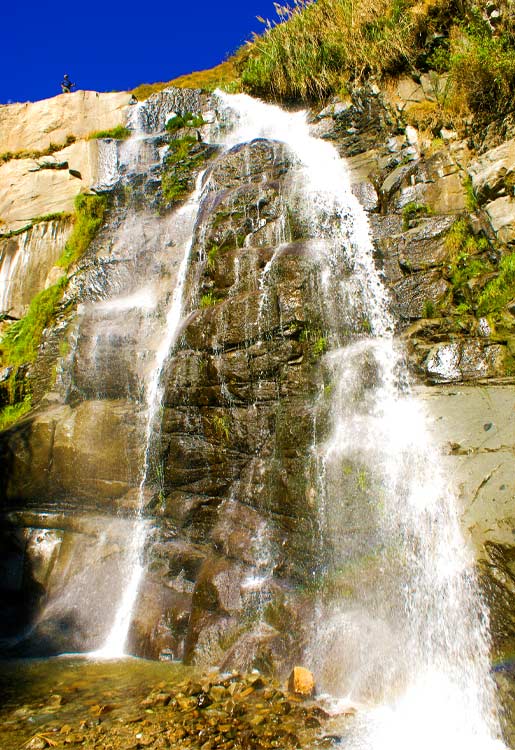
(26,263)
(33,126)
(230,495)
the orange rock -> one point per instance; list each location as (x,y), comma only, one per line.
(301,682)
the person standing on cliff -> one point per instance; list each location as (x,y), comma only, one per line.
(67,85)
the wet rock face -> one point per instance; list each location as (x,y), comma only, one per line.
(229,493)
(238,420)
(234,543)
(441,218)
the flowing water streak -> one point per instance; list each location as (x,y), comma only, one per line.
(413,643)
(116,640)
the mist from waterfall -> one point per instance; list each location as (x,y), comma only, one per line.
(407,639)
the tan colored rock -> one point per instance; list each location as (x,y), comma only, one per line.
(26,191)
(501,213)
(90,451)
(408,91)
(490,171)
(301,682)
(34,125)
(475,430)
(26,262)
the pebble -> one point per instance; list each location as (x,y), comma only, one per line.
(216,712)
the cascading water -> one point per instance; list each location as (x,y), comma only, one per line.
(116,640)
(130,158)
(408,640)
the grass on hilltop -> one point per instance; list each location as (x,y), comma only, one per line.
(315,49)
(223,76)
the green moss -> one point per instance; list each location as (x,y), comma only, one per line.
(118,133)
(187,120)
(183,156)
(211,257)
(57,216)
(362,480)
(413,211)
(221,426)
(463,308)
(428,309)
(11,413)
(316,340)
(470,196)
(89,215)
(20,342)
(208,299)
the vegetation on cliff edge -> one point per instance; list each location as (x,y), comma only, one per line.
(89,215)
(20,343)
(315,49)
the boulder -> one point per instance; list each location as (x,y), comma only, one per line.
(27,192)
(493,171)
(463,360)
(501,213)
(301,682)
(91,452)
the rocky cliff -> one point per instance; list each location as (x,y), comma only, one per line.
(230,497)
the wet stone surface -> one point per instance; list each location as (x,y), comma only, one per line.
(132,704)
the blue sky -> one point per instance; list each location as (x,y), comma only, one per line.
(107,46)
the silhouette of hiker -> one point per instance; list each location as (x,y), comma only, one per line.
(67,85)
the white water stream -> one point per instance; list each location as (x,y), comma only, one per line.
(130,158)
(409,641)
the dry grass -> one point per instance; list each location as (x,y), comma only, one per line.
(224,76)
(314,47)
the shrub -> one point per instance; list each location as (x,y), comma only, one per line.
(464,249)
(499,291)
(187,120)
(223,76)
(52,148)
(482,70)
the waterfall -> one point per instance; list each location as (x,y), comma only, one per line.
(132,159)
(115,643)
(408,638)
